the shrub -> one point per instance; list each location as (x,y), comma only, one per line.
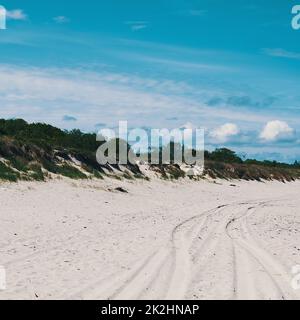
(36,172)
(7,174)
(70,172)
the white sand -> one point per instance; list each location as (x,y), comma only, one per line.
(66,240)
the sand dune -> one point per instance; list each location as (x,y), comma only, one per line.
(161,240)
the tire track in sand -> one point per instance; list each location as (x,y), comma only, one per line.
(258,274)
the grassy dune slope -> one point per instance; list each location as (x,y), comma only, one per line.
(40,151)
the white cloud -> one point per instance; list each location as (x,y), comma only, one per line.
(137,25)
(282,53)
(277,131)
(61,19)
(48,94)
(188,125)
(17,14)
(225,132)
(188,66)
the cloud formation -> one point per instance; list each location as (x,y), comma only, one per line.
(242,101)
(137,25)
(61,19)
(41,94)
(225,132)
(282,53)
(17,14)
(69,118)
(277,131)
(100,125)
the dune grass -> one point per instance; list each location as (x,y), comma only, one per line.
(7,174)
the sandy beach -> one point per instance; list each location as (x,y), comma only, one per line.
(69,239)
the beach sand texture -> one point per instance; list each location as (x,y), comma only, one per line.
(162,240)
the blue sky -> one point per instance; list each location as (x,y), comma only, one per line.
(231,67)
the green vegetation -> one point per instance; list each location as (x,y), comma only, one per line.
(30,147)
(70,172)
(36,172)
(7,173)
(47,136)
(34,151)
(223,155)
